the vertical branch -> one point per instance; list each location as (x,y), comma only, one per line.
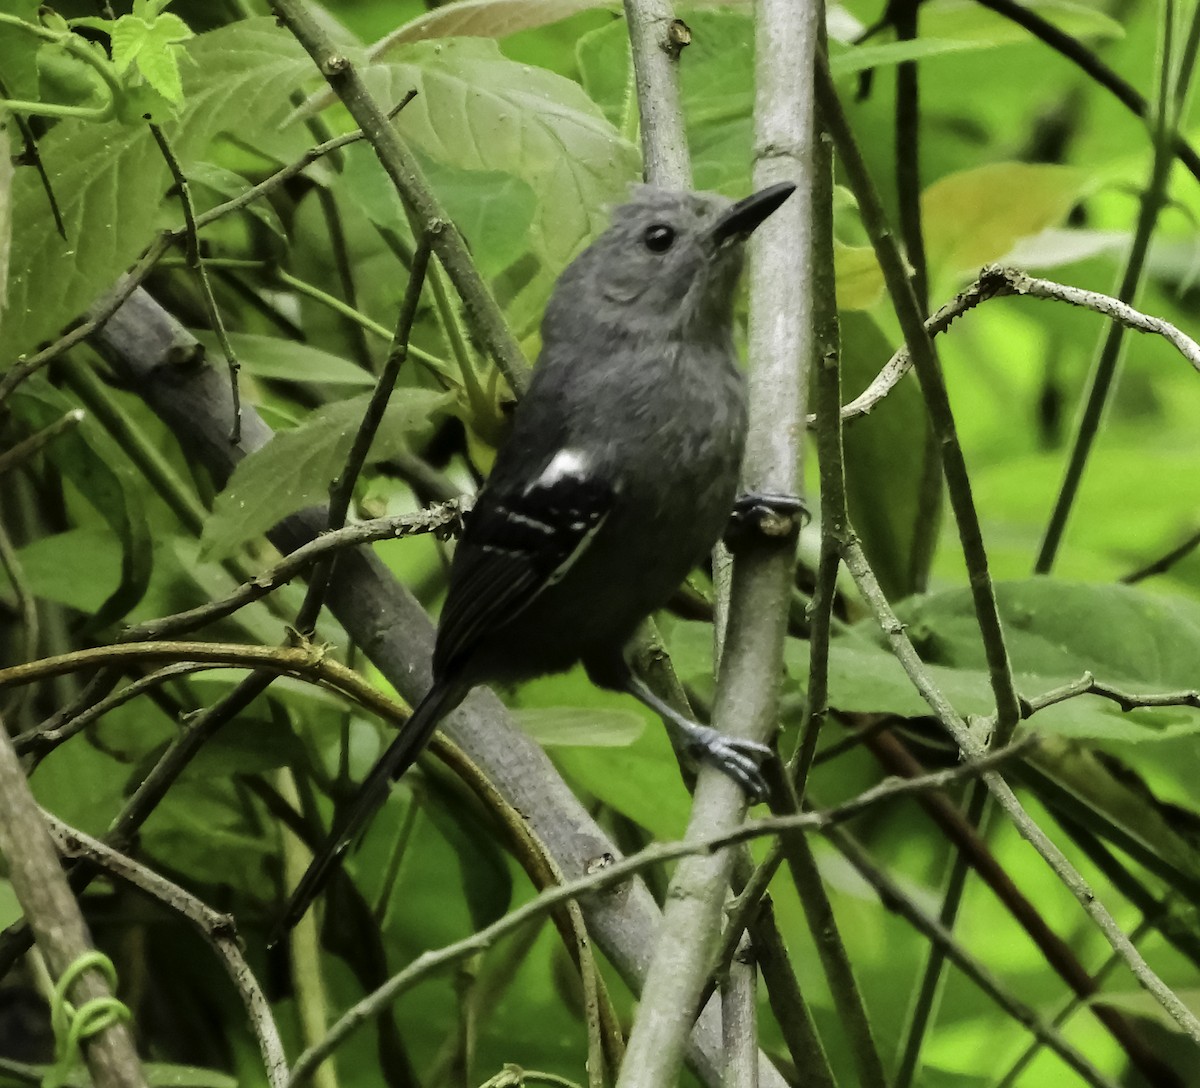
(665,159)
(482,313)
(739,1022)
(1167,114)
(342,488)
(53,914)
(937,400)
(780,317)
(927,517)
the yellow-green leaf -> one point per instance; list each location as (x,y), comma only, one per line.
(976,216)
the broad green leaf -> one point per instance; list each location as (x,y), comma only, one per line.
(477,110)
(153,44)
(107,177)
(1055,631)
(483,868)
(484,19)
(239,79)
(228,184)
(871,681)
(859,280)
(19,51)
(93,462)
(1122,634)
(859,58)
(627,764)
(256,746)
(966,21)
(492,209)
(976,216)
(581,727)
(78,568)
(157,1074)
(295,468)
(166,1075)
(287,360)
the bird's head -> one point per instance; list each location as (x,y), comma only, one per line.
(669,260)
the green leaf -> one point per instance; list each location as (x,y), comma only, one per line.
(581,727)
(859,278)
(77,568)
(129,34)
(228,184)
(157,1074)
(965,20)
(166,1075)
(19,51)
(295,468)
(492,209)
(239,80)
(976,216)
(93,462)
(883,454)
(1122,634)
(287,360)
(477,110)
(485,19)
(1055,631)
(158,60)
(107,177)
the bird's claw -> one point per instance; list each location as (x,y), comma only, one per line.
(764,514)
(738,758)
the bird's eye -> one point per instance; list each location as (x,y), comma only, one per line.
(659,238)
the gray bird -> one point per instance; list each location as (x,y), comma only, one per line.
(618,478)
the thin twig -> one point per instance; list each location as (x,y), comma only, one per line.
(98,316)
(219,930)
(933,387)
(972,747)
(739,1020)
(191,250)
(665,158)
(1087,61)
(486,320)
(1102,379)
(17,455)
(307,662)
(996,281)
(616,872)
(1163,563)
(41,740)
(342,489)
(444,520)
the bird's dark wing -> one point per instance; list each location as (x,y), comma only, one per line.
(517,542)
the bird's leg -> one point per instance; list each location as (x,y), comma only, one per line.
(735,756)
(764,514)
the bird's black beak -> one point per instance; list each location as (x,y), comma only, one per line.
(739,222)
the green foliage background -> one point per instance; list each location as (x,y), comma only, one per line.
(527,135)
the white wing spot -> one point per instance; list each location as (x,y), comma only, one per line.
(565,463)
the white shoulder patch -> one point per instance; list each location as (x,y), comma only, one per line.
(565,463)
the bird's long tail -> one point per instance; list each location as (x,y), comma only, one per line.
(400,755)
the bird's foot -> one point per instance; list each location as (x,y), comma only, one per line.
(758,515)
(736,757)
